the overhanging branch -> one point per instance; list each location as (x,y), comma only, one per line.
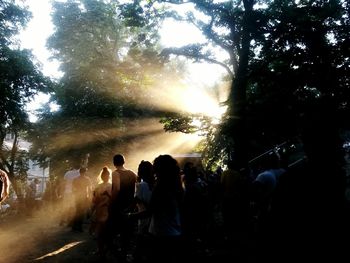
(193,51)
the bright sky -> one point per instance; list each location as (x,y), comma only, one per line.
(35,35)
(173,34)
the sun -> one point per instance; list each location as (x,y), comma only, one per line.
(196,101)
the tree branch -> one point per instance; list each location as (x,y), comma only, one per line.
(193,52)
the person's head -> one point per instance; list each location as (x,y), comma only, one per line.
(82,171)
(105,174)
(145,171)
(190,172)
(188,166)
(118,160)
(166,169)
(75,165)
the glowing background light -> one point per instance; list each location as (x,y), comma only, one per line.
(194,95)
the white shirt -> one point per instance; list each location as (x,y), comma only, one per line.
(69,176)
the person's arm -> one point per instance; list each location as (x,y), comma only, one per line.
(6,185)
(90,192)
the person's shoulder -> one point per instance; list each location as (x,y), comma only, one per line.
(132,172)
(115,173)
(3,175)
(129,172)
(71,174)
(263,175)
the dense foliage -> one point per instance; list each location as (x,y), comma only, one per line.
(288,60)
(111,74)
(20,80)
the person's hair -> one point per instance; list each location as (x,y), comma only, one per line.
(168,177)
(166,169)
(76,164)
(118,160)
(82,170)
(105,174)
(190,172)
(145,171)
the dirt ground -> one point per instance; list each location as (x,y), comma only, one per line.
(40,238)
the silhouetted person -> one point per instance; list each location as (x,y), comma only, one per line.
(195,206)
(165,206)
(143,193)
(123,191)
(144,188)
(31,194)
(235,202)
(265,186)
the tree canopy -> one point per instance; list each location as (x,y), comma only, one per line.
(285,58)
(111,74)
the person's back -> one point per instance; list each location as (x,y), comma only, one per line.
(125,197)
(143,192)
(69,177)
(264,189)
(102,195)
(81,187)
(232,182)
(101,201)
(195,212)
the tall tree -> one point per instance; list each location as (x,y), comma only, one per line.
(229,26)
(20,80)
(290,78)
(109,67)
(283,57)
(300,77)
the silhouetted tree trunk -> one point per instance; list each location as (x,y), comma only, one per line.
(238,93)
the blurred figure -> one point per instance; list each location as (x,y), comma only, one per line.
(31,194)
(264,187)
(195,206)
(81,187)
(4,186)
(101,200)
(66,195)
(235,202)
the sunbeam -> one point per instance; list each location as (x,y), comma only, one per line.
(29,235)
(60,250)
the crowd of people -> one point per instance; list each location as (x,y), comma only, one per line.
(165,212)
(168,213)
